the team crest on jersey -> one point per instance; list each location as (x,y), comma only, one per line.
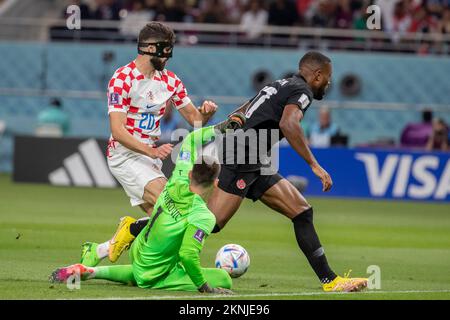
(240,184)
(114,98)
(150,95)
(199,235)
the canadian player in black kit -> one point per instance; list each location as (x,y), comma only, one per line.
(279,106)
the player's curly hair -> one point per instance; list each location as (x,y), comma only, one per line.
(156,30)
(205,172)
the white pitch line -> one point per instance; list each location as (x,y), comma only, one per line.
(276,294)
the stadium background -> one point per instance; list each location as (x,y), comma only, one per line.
(382,81)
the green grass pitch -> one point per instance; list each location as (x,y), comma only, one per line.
(42,227)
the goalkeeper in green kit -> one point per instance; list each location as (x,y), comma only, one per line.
(166,253)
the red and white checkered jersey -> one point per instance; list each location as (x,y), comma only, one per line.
(144,100)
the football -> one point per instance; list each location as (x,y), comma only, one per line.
(234,259)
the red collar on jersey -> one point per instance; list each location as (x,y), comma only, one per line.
(164,49)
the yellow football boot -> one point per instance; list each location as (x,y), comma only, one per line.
(345,284)
(121,240)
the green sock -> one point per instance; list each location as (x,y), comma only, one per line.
(123,274)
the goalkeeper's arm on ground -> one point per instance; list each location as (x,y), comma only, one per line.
(190,255)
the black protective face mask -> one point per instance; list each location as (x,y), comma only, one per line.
(164,49)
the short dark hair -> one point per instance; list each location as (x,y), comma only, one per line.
(156,30)
(427,115)
(55,102)
(205,172)
(314,59)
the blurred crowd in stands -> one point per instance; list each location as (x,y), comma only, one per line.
(398,15)
(252,16)
(431,133)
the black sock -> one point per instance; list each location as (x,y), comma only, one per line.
(137,226)
(216,229)
(309,243)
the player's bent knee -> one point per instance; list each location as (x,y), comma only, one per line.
(305,207)
(301,205)
(304,214)
(153,189)
(157,183)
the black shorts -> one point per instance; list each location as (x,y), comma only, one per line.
(246,184)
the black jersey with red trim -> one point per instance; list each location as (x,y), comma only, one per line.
(262,128)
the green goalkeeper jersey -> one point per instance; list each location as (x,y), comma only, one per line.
(179,224)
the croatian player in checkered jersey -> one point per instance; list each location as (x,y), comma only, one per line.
(138,94)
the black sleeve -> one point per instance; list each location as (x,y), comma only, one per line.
(299,96)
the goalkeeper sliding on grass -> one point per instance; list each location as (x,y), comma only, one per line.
(166,253)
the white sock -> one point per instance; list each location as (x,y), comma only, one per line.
(102,249)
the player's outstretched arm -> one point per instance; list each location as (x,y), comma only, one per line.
(188,151)
(193,141)
(199,137)
(190,254)
(195,116)
(290,126)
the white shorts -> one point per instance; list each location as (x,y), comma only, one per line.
(134,171)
